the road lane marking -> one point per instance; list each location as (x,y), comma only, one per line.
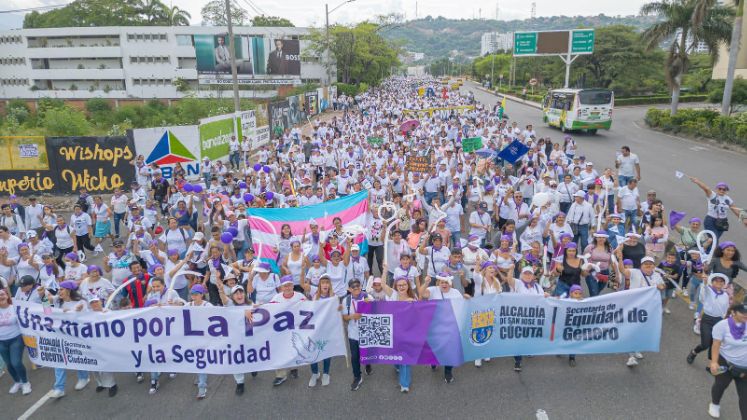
(35,407)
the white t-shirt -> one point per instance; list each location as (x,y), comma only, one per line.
(628,198)
(63,236)
(265,289)
(9,327)
(437,294)
(627,165)
(280,298)
(718,205)
(638,279)
(177,239)
(81,223)
(734,350)
(75,273)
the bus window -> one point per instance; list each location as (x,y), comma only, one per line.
(595,97)
(569,100)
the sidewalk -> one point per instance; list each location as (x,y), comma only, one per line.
(511,98)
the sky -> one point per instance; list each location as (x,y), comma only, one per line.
(311,12)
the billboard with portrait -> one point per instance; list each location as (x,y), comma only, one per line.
(258,60)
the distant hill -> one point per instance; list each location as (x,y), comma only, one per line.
(436,37)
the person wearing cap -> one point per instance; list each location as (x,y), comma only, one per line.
(118,262)
(645,276)
(442,290)
(480,222)
(580,216)
(689,234)
(38,247)
(68,299)
(587,176)
(351,315)
(26,291)
(576,292)
(74,270)
(718,206)
(338,267)
(671,270)
(729,359)
(615,228)
(263,284)
(560,233)
(11,345)
(715,308)
(237,297)
(162,297)
(436,255)
(287,294)
(526,284)
(104,380)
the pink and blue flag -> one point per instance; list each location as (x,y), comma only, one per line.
(266,224)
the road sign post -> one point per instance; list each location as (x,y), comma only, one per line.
(568,45)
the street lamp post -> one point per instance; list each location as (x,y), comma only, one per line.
(326,34)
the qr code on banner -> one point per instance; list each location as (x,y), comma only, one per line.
(375,331)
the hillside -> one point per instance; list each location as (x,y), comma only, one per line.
(436,37)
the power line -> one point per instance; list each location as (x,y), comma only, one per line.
(30,9)
(254,6)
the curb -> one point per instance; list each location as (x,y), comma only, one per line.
(511,98)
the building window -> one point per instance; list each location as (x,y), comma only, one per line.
(184,40)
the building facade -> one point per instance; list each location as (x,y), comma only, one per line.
(140,62)
(492,42)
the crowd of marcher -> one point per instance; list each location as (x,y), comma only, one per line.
(551,223)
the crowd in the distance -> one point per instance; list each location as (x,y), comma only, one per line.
(552,223)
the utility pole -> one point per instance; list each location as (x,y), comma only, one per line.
(232,54)
(492,70)
(326,42)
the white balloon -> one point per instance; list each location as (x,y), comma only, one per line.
(540,199)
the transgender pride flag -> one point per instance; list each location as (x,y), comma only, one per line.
(265,224)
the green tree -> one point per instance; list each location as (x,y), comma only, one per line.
(734,46)
(87,13)
(177,17)
(214,14)
(492,65)
(361,53)
(712,27)
(271,21)
(152,11)
(65,121)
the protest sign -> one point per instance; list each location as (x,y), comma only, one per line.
(184,339)
(513,151)
(375,141)
(215,133)
(450,332)
(418,164)
(471,144)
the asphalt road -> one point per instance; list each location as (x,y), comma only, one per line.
(662,386)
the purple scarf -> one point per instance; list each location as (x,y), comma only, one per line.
(737,331)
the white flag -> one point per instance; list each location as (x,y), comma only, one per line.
(678,174)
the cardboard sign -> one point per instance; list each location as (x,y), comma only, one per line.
(420,164)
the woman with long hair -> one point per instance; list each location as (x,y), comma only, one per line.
(600,254)
(67,299)
(569,270)
(11,344)
(324,291)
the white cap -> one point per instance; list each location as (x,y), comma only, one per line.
(198,236)
(236,288)
(31,234)
(648,259)
(355,247)
(579,193)
(527,269)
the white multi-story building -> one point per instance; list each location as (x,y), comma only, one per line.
(130,62)
(699,48)
(492,42)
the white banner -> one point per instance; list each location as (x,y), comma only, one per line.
(213,340)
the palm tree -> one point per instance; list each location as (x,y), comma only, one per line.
(713,26)
(176,16)
(153,11)
(736,37)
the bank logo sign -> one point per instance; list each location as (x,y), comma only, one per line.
(169,150)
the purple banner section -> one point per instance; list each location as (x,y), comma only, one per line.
(403,333)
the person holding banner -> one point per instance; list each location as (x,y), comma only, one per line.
(715,308)
(351,315)
(11,345)
(646,276)
(526,285)
(68,299)
(324,291)
(236,298)
(104,380)
(287,294)
(600,254)
(729,359)
(443,290)
(197,296)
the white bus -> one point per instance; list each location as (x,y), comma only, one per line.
(578,109)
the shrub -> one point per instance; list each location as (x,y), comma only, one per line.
(65,121)
(95,105)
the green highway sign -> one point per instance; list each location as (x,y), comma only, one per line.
(582,41)
(525,43)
